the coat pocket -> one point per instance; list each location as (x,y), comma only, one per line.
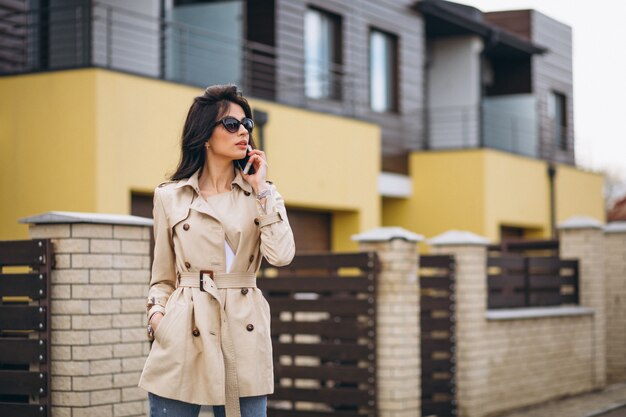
(161,334)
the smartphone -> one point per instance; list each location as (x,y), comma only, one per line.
(241,163)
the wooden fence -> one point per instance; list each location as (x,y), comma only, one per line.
(324,335)
(437,322)
(522,281)
(25,268)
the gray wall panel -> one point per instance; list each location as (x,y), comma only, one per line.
(401,132)
(553,72)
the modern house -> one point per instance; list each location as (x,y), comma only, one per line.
(428,115)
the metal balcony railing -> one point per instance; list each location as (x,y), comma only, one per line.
(106,36)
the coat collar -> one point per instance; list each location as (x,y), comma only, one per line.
(193,182)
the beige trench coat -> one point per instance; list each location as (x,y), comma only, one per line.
(186,361)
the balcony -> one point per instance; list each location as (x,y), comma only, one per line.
(177,47)
(508,123)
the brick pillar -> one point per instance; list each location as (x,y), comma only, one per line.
(397,320)
(615,270)
(98,294)
(582,238)
(470,253)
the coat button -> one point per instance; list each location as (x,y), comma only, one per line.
(249,327)
(251,258)
(195,332)
(247,193)
(187,265)
(244,291)
(256,221)
(186,226)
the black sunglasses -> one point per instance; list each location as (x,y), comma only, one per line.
(232,125)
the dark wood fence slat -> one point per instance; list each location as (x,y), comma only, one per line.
(21,350)
(544,281)
(548,262)
(436,282)
(437,290)
(335,294)
(436,261)
(506,301)
(302,413)
(22,318)
(435,386)
(506,281)
(25,315)
(23,383)
(334,396)
(436,365)
(508,262)
(432,324)
(325,372)
(23,252)
(23,285)
(315,284)
(22,410)
(440,303)
(348,307)
(336,260)
(437,408)
(343,329)
(344,351)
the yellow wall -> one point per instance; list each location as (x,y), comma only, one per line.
(47,149)
(579,192)
(480,190)
(90,137)
(517,194)
(448,193)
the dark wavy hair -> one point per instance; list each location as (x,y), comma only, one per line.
(203,113)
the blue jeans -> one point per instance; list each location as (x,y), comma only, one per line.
(165,407)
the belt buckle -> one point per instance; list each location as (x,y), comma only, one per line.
(202,272)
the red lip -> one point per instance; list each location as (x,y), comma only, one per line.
(242,143)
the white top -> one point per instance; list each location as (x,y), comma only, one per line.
(230,256)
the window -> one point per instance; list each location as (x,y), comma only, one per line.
(383,72)
(557,112)
(322,53)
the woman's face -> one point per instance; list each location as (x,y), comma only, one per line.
(230,145)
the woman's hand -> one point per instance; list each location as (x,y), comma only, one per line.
(257,180)
(155,320)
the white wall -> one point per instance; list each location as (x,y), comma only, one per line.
(453,86)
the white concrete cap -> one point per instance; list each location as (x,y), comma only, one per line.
(458,238)
(385,234)
(615,227)
(55,217)
(580,222)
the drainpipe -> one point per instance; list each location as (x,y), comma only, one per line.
(551,176)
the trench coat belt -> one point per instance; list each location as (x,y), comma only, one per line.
(224,280)
(221,279)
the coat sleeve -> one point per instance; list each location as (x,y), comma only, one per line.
(277,243)
(163,279)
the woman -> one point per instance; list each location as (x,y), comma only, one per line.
(212,223)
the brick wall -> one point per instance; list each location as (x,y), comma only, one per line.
(98,337)
(397,321)
(509,359)
(615,269)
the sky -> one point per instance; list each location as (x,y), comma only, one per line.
(599,75)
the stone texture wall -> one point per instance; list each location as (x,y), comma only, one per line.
(615,269)
(98,295)
(397,328)
(586,243)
